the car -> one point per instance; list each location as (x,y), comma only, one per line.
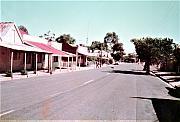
(116,63)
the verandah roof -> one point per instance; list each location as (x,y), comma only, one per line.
(22,47)
(47,48)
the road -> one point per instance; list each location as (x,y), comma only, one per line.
(120,93)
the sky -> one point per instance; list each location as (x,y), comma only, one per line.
(93,19)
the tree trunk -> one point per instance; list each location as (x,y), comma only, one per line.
(147,67)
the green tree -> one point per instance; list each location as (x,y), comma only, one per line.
(48,36)
(145,50)
(111,37)
(97,45)
(176,53)
(165,50)
(117,51)
(152,50)
(112,45)
(65,38)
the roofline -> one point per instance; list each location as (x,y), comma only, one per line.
(16,28)
(19,34)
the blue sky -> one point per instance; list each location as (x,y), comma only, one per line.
(129,19)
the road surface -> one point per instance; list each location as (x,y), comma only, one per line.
(120,93)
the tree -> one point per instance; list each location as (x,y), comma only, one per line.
(176,53)
(111,37)
(165,47)
(145,50)
(97,45)
(117,51)
(65,38)
(112,45)
(151,50)
(48,36)
(23,28)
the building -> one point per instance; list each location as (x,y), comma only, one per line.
(57,55)
(80,51)
(15,55)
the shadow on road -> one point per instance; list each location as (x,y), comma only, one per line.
(133,72)
(167,110)
(175,92)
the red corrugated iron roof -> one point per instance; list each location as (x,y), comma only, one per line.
(46,48)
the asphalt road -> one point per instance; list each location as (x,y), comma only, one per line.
(120,93)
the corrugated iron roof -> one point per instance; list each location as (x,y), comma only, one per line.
(46,48)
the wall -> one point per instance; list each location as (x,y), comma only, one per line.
(68,48)
(11,36)
(4,59)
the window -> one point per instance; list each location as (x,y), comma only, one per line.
(55,58)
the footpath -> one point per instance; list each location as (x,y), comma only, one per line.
(170,77)
(18,75)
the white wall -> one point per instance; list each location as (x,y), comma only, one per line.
(11,36)
(82,50)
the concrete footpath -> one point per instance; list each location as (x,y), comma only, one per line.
(170,77)
(17,75)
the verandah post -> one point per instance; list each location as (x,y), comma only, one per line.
(11,70)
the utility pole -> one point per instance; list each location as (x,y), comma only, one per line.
(101,55)
(87,34)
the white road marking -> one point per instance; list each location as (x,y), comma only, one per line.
(87,82)
(59,93)
(53,95)
(7,112)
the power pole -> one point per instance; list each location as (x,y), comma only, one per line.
(87,34)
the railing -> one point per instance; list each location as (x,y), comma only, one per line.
(71,65)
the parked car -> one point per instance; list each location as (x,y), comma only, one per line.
(129,60)
(116,63)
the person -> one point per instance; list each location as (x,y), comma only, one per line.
(97,64)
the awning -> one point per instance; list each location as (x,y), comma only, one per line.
(22,47)
(70,54)
(47,48)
